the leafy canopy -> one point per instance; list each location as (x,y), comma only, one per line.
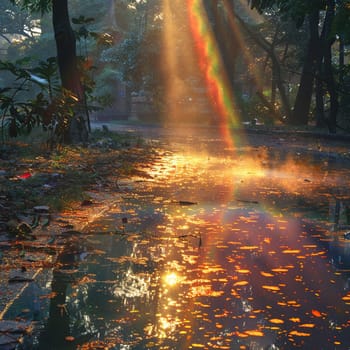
(42,6)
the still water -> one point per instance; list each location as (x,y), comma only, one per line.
(237,250)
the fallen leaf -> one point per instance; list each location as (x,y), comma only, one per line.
(307,325)
(291,251)
(299,334)
(266,274)
(316,313)
(255,333)
(272,288)
(69,338)
(276,321)
(25,176)
(241,283)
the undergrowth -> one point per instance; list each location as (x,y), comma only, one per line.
(31,174)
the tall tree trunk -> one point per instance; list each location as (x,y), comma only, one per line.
(320,88)
(302,102)
(341,59)
(273,70)
(319,92)
(68,66)
(273,87)
(280,85)
(328,68)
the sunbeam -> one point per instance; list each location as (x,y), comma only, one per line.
(248,58)
(212,67)
(189,32)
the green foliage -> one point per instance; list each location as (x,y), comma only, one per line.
(297,10)
(254,110)
(41,6)
(137,61)
(13,112)
(342,21)
(51,107)
(13,21)
(126,57)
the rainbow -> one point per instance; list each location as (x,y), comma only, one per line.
(212,67)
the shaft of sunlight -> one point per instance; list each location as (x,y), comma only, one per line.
(248,58)
(211,65)
(190,46)
(169,60)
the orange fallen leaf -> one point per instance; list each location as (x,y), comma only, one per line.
(255,333)
(69,338)
(307,325)
(346,297)
(266,274)
(316,313)
(299,334)
(276,321)
(241,283)
(318,253)
(249,247)
(242,335)
(280,270)
(291,251)
(273,288)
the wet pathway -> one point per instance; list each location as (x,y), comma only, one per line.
(217,249)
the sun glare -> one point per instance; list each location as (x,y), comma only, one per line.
(171,279)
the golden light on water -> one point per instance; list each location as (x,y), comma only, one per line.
(219,274)
(171,279)
(231,267)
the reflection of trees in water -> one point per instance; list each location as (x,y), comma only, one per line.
(127,300)
(340,213)
(339,246)
(57,326)
(90,303)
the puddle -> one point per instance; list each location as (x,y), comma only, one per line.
(212,252)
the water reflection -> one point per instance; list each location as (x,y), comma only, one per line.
(253,265)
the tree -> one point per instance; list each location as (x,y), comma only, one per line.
(269,49)
(15,22)
(302,102)
(67,61)
(68,66)
(332,16)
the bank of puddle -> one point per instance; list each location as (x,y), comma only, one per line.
(211,252)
